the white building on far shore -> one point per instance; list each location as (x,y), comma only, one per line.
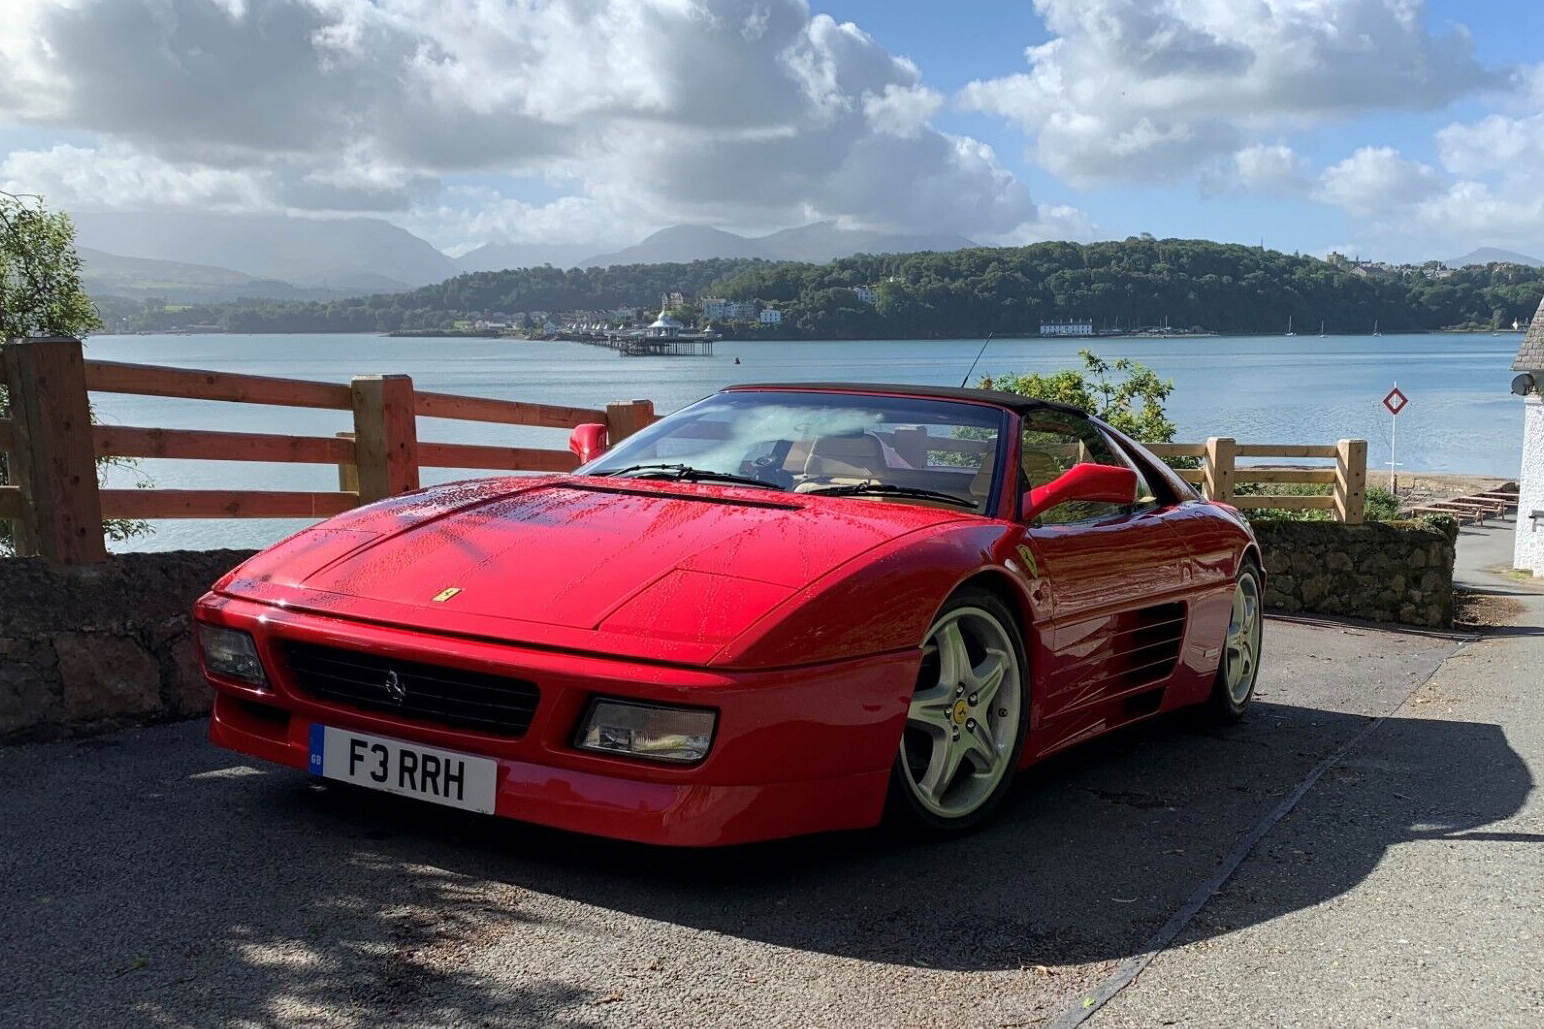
(771,316)
(1067,328)
(1528,549)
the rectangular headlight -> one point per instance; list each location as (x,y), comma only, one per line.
(679,734)
(230,653)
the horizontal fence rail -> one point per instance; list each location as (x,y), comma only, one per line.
(1219,475)
(57,507)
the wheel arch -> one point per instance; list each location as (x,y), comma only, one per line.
(1000,583)
(1252,551)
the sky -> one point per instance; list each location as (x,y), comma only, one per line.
(1392,129)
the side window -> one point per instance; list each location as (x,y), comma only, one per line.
(1052,444)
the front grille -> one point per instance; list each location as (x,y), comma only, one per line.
(411,689)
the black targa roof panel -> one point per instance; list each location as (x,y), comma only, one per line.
(1011,401)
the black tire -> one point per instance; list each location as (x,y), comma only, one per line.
(906,811)
(1228,701)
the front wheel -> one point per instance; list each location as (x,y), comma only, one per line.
(1239,666)
(968,717)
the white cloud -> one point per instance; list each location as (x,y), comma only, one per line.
(752,113)
(1274,170)
(902,110)
(119,177)
(1375,179)
(1496,144)
(1145,89)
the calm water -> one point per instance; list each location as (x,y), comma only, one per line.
(1256,389)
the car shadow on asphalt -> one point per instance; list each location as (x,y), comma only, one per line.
(178,885)
(1092,852)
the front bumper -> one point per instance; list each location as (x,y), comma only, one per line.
(795,751)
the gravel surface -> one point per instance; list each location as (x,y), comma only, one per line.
(148,878)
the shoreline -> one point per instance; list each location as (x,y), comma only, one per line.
(493,337)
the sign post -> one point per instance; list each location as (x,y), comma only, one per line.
(1395,402)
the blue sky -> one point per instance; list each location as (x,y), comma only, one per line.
(1398,129)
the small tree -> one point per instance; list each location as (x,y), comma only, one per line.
(1128,395)
(41,295)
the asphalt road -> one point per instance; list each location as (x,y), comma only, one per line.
(1445,928)
(147,878)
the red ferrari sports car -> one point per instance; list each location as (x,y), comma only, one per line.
(784,609)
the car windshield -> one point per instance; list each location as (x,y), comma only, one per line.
(913,450)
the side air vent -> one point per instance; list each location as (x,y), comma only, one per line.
(1143,648)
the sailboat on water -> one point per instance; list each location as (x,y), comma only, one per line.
(1289,326)
(1375,331)
(1321,328)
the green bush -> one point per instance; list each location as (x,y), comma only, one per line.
(1382,506)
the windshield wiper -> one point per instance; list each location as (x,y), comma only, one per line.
(891,489)
(686,473)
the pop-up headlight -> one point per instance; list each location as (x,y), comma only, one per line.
(677,734)
(231,654)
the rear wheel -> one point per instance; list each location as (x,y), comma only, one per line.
(968,717)
(1239,666)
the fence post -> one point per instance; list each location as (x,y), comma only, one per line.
(1351,481)
(53,460)
(348,474)
(1220,452)
(625,417)
(385,436)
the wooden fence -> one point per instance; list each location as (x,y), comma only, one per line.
(1220,475)
(57,508)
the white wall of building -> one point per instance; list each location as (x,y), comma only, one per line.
(1529,554)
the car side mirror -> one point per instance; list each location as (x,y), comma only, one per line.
(1089,483)
(588,441)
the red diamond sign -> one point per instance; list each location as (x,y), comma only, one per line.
(1395,401)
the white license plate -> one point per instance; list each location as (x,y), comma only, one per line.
(411,769)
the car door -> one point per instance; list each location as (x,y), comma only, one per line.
(1113,577)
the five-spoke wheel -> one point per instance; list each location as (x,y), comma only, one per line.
(966,723)
(1239,665)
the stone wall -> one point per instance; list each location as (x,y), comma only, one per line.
(95,647)
(1383,571)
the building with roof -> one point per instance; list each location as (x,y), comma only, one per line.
(665,327)
(1070,327)
(714,308)
(771,316)
(1528,549)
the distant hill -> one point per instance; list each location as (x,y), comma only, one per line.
(815,243)
(820,242)
(138,278)
(330,253)
(496,257)
(1493,255)
(961,294)
(679,244)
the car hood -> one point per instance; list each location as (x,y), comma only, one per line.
(692,563)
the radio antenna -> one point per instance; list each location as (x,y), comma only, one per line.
(978,358)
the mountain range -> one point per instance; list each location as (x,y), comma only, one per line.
(188,257)
(193,257)
(816,243)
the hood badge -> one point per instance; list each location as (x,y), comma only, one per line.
(446,593)
(395,690)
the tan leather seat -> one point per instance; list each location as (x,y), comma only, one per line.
(857,455)
(1039,468)
(981,483)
